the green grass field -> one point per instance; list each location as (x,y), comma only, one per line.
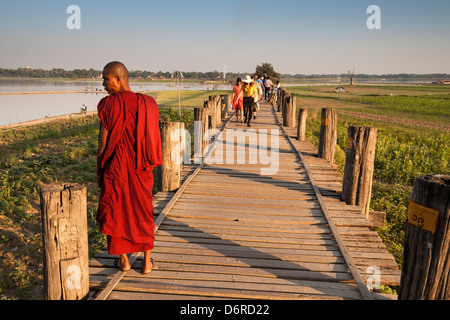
(65,151)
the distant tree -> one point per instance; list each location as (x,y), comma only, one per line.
(351,75)
(266,69)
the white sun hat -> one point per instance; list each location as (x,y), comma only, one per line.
(247,79)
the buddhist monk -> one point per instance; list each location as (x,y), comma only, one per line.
(129,147)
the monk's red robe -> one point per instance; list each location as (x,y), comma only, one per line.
(125,211)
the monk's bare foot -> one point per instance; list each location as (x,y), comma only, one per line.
(123,263)
(147,263)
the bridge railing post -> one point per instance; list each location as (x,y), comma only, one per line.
(281,95)
(172,142)
(289,113)
(65,241)
(301,124)
(216,109)
(211,114)
(328,134)
(200,128)
(359,166)
(224,103)
(426,269)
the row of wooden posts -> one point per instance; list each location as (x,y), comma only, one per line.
(208,117)
(425,273)
(360,153)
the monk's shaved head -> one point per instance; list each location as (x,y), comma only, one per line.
(116,68)
(115,77)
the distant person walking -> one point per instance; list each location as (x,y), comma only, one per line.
(257,96)
(237,99)
(249,99)
(268,87)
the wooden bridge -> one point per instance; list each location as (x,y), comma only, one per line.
(230,232)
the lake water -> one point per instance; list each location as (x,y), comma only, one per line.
(25,107)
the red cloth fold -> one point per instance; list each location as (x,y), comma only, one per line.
(148,139)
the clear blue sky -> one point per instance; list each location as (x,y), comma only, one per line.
(301,36)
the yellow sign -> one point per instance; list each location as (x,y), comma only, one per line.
(350,142)
(422,217)
(324,122)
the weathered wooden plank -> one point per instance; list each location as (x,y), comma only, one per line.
(277,252)
(248,226)
(250,244)
(324,276)
(214,229)
(218,292)
(242,200)
(125,295)
(253,254)
(262,289)
(236,278)
(307,239)
(247,216)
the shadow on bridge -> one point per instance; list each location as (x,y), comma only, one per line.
(250,247)
(196,248)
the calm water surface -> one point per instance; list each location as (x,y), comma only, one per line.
(26,107)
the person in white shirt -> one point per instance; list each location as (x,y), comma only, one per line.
(268,88)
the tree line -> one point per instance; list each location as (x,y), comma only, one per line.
(368,76)
(264,69)
(95,74)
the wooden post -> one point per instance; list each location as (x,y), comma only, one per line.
(301,126)
(281,96)
(169,173)
(358,170)
(65,240)
(426,267)
(216,106)
(211,114)
(284,106)
(224,102)
(200,128)
(289,117)
(328,134)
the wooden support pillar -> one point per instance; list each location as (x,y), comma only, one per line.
(301,124)
(281,95)
(359,164)
(211,114)
(426,265)
(65,240)
(284,106)
(216,106)
(200,128)
(289,116)
(224,104)
(169,173)
(328,134)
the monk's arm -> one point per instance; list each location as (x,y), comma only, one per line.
(102,140)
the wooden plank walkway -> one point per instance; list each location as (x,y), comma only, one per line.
(234,233)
